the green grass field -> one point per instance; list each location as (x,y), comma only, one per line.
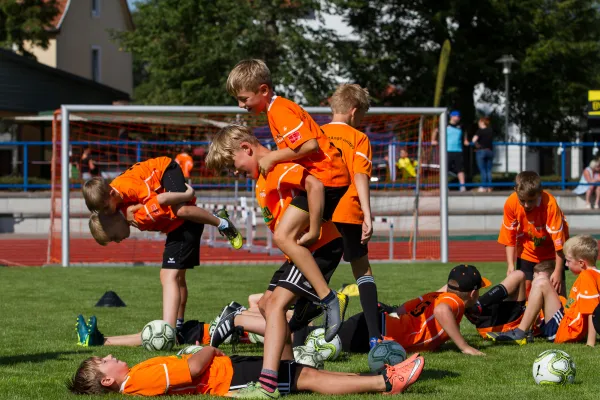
(39,306)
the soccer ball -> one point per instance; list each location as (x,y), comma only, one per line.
(554,367)
(330,351)
(255,338)
(158,335)
(386,352)
(308,356)
(190,350)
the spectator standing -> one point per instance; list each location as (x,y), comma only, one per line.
(483,141)
(455,140)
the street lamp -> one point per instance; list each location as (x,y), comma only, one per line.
(506,61)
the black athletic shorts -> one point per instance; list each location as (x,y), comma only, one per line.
(173,179)
(182,248)
(354,333)
(527,268)
(351,234)
(248,368)
(455,162)
(333,195)
(501,313)
(289,277)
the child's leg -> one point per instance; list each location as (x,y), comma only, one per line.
(183,292)
(542,296)
(124,340)
(169,278)
(253,300)
(508,289)
(597,190)
(312,380)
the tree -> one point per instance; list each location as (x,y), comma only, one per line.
(556,42)
(26,21)
(185,48)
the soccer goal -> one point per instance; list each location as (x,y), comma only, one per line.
(408,198)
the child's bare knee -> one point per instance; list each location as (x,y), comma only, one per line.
(518,274)
(540,282)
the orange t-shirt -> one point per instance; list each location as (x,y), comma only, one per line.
(171,376)
(583,299)
(136,185)
(292,126)
(539,234)
(186,162)
(275,193)
(418,330)
(356,151)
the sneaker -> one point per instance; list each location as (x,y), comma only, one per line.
(402,375)
(304,312)
(335,311)
(82,331)
(96,338)
(237,306)
(224,327)
(255,391)
(509,337)
(231,233)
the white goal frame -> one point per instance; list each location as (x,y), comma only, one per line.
(67,109)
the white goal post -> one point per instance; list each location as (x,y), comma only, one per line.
(71,110)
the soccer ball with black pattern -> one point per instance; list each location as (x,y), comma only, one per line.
(158,335)
(308,356)
(329,350)
(554,367)
(386,352)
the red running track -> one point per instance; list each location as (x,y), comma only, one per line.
(32,252)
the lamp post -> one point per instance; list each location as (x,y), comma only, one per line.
(506,61)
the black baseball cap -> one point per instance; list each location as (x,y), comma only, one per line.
(467,278)
(596,318)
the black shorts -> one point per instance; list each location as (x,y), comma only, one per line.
(501,313)
(248,368)
(351,234)
(527,268)
(455,162)
(182,248)
(173,180)
(289,277)
(354,333)
(333,195)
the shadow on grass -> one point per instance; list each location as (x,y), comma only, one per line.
(431,374)
(39,357)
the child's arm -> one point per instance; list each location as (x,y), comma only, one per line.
(508,233)
(361,181)
(556,277)
(287,154)
(510,259)
(174,198)
(200,361)
(591,335)
(315,193)
(443,314)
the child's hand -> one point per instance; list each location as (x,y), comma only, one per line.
(472,352)
(130,214)
(308,238)
(367,231)
(556,280)
(510,269)
(265,165)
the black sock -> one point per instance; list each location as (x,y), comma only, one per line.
(386,379)
(368,300)
(329,298)
(493,296)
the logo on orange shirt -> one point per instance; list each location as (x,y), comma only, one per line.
(537,240)
(267,216)
(294,137)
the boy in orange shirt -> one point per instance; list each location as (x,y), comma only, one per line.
(353,216)
(570,323)
(298,139)
(534,224)
(211,372)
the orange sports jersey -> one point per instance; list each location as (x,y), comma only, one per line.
(171,376)
(292,126)
(539,234)
(275,193)
(356,151)
(186,162)
(137,184)
(418,330)
(583,299)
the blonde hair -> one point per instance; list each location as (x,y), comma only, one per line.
(545,267)
(248,75)
(582,247)
(99,222)
(224,145)
(528,183)
(95,193)
(348,96)
(594,163)
(88,378)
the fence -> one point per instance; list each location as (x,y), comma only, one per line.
(384,169)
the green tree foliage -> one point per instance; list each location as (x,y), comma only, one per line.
(556,42)
(23,21)
(184,49)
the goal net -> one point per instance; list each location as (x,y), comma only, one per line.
(405,186)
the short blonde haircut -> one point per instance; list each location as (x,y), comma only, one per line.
(582,247)
(545,267)
(97,230)
(528,183)
(98,226)
(96,192)
(248,75)
(88,378)
(348,96)
(224,145)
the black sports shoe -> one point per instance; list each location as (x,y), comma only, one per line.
(237,306)
(304,312)
(224,327)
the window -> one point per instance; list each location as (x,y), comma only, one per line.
(96,63)
(95,8)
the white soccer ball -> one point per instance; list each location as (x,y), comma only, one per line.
(330,351)
(554,367)
(308,356)
(386,352)
(190,350)
(158,335)
(255,338)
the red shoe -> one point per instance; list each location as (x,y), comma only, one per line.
(403,375)
(409,359)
